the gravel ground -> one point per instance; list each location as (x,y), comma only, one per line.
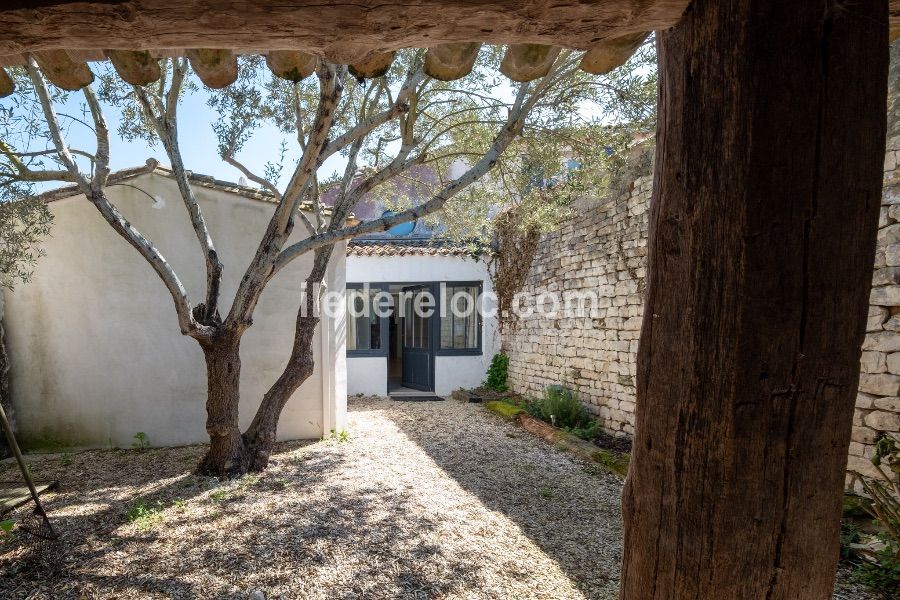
(423,500)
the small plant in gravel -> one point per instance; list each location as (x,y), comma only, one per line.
(145,516)
(141,441)
(498,373)
(546,492)
(341,436)
(219,495)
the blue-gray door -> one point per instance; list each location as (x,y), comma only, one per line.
(417,341)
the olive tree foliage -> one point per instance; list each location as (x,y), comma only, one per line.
(421,144)
(574,142)
(24,220)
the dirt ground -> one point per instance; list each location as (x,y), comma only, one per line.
(420,500)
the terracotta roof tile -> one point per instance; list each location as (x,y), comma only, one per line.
(406,247)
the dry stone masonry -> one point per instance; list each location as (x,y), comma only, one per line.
(878,400)
(604,249)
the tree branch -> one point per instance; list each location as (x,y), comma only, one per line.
(282,221)
(112,215)
(367,126)
(507,134)
(166,126)
(261,181)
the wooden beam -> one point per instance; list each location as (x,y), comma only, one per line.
(609,54)
(451,61)
(135,67)
(321,27)
(7,85)
(763,224)
(291,65)
(62,71)
(374,65)
(216,68)
(525,62)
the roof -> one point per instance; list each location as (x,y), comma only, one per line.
(407,247)
(153,167)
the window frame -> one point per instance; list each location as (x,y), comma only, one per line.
(384,334)
(478,350)
(436,349)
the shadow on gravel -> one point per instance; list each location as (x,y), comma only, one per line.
(571,511)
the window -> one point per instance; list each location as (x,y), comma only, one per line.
(364,331)
(461,318)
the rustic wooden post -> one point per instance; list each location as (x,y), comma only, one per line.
(762,236)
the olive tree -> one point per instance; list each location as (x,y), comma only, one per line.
(384,128)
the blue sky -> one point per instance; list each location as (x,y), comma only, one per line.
(197,139)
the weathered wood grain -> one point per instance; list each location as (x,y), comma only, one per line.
(291,65)
(451,61)
(62,71)
(609,54)
(762,231)
(7,85)
(525,62)
(322,28)
(216,68)
(135,67)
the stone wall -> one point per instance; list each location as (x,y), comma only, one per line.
(602,251)
(878,400)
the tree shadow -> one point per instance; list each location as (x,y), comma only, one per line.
(284,531)
(570,510)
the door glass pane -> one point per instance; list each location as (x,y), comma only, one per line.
(408,323)
(424,333)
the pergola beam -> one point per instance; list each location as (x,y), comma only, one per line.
(216,68)
(7,85)
(321,28)
(135,67)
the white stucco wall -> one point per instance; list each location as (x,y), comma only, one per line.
(368,375)
(97,353)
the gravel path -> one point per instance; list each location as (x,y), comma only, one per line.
(423,500)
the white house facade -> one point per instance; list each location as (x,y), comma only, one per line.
(408,353)
(97,355)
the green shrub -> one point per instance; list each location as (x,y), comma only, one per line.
(588,432)
(498,373)
(880,569)
(849,535)
(561,407)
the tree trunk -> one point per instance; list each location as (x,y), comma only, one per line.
(260,437)
(762,232)
(225,456)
